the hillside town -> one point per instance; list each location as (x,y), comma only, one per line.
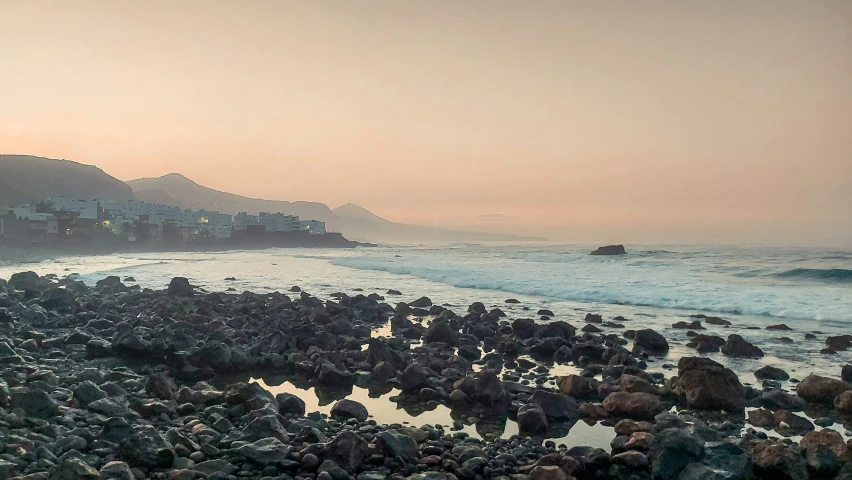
(60,218)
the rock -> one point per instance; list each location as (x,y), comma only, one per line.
(116,471)
(160,386)
(633,405)
(818,389)
(414,378)
(822,462)
(180,287)
(59,299)
(290,403)
(440,331)
(265,426)
(736,346)
(705,384)
(574,386)
(489,390)
(693,325)
(512,300)
(110,406)
(717,321)
(650,341)
(147,448)
(548,472)
(24,281)
(87,392)
(610,250)
(825,438)
(779,399)
(531,418)
(35,402)
(780,326)
(210,467)
(422,302)
(777,461)
(768,372)
(524,328)
(265,451)
(346,409)
(555,406)
(330,375)
(75,469)
(347,449)
(397,446)
(631,459)
(672,450)
(843,402)
(129,343)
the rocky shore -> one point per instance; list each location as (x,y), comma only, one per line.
(116,381)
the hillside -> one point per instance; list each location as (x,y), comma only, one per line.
(24,179)
(183,192)
(357,223)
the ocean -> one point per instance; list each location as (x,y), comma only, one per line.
(808,289)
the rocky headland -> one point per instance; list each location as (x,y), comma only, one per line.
(118,381)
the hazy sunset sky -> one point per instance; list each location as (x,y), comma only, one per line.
(615,121)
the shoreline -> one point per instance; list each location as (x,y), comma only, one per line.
(484,368)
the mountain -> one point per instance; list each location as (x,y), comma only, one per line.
(357,223)
(25,179)
(182,192)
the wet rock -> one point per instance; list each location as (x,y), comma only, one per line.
(180,287)
(129,343)
(555,406)
(347,450)
(422,302)
(265,451)
(524,328)
(650,341)
(147,448)
(768,372)
(210,467)
(116,471)
(705,384)
(780,326)
(736,346)
(632,405)
(779,399)
(330,375)
(843,402)
(548,472)
(35,402)
(531,418)
(610,250)
(775,460)
(265,426)
(397,446)
(24,281)
(290,403)
(574,386)
(75,469)
(693,325)
(440,331)
(346,409)
(414,377)
(825,438)
(672,450)
(818,389)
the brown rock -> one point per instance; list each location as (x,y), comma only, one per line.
(818,389)
(705,384)
(633,405)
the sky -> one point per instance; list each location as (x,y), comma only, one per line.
(618,121)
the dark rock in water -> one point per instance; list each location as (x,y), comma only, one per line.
(693,325)
(706,343)
(705,384)
(575,386)
(440,331)
(512,300)
(477,307)
(230,279)
(563,354)
(35,402)
(328,374)
(839,343)
(843,402)
(264,427)
(555,406)
(488,390)
(593,318)
(776,460)
(524,328)
(147,448)
(545,312)
(780,326)
(650,341)
(24,281)
(643,406)
(414,377)
(347,449)
(818,389)
(59,299)
(290,403)
(717,321)
(180,287)
(672,450)
(771,373)
(396,445)
(294,289)
(393,292)
(531,418)
(780,400)
(265,451)
(610,250)
(846,373)
(346,409)
(422,302)
(736,346)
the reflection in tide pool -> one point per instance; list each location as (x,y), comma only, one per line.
(384,410)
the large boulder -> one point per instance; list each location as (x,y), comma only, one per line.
(440,331)
(610,250)
(531,418)
(75,469)
(555,405)
(818,389)
(35,402)
(396,445)
(737,346)
(147,448)
(180,287)
(347,449)
(489,390)
(290,403)
(346,409)
(116,471)
(649,341)
(643,406)
(24,281)
(160,386)
(265,451)
(575,386)
(59,299)
(129,343)
(825,438)
(672,450)
(524,328)
(768,372)
(705,384)
(265,426)
(775,460)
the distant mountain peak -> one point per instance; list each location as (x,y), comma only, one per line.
(350,210)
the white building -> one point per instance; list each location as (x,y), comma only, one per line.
(29,212)
(87,209)
(278,222)
(243,220)
(314,227)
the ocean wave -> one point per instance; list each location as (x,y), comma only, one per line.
(841,275)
